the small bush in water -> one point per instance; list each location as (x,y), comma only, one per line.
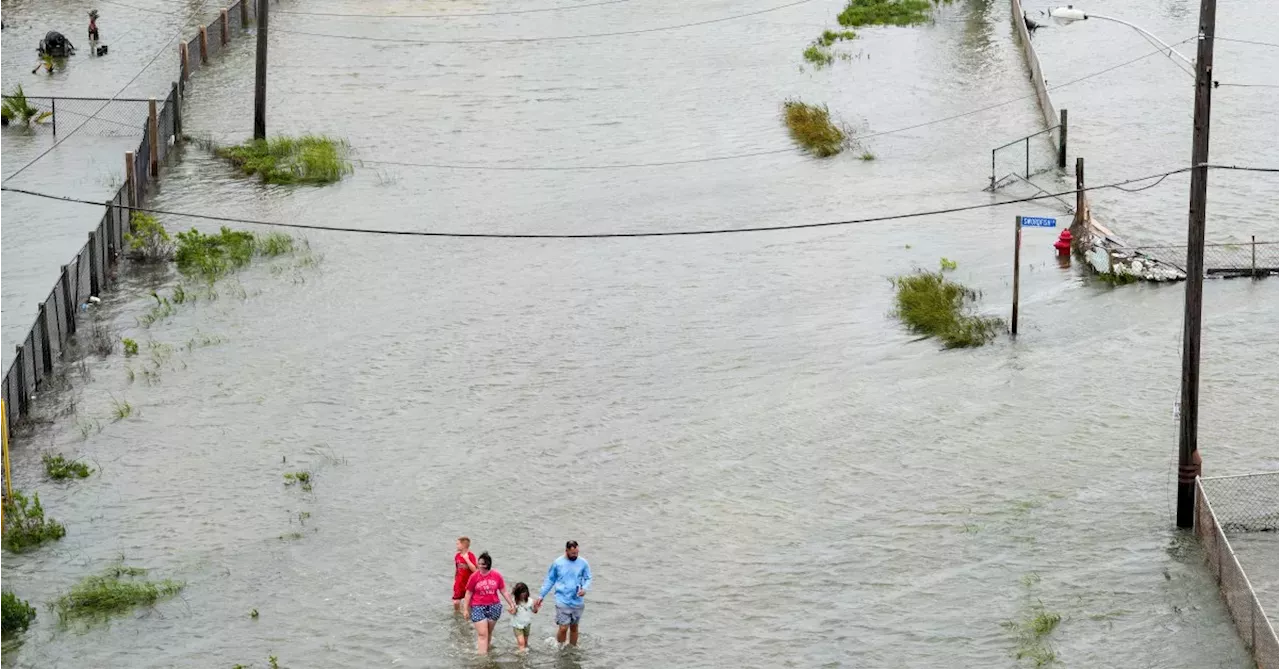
(811,127)
(113,591)
(59,468)
(309,159)
(15,614)
(25,526)
(149,241)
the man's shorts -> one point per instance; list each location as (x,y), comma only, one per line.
(568,615)
(486,612)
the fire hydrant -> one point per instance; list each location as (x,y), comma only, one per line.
(1063,244)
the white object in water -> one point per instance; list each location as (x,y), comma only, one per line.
(95,299)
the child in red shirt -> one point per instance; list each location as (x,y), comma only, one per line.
(464,562)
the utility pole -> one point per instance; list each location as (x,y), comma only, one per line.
(1189,414)
(260,76)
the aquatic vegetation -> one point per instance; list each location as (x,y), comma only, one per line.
(212,256)
(130,347)
(830,37)
(149,241)
(885,13)
(818,55)
(931,305)
(59,468)
(25,526)
(1117,278)
(867,156)
(253,614)
(947,265)
(302,478)
(309,159)
(111,592)
(811,127)
(15,614)
(274,244)
(121,409)
(1031,634)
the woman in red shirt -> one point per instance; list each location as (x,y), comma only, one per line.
(483,590)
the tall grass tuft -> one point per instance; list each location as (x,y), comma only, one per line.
(113,591)
(931,305)
(25,526)
(309,159)
(15,614)
(885,13)
(811,128)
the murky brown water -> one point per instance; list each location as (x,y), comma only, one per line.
(762,467)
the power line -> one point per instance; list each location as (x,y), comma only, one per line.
(547,39)
(1220,38)
(444,16)
(753,154)
(630,235)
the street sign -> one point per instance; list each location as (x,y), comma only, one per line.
(1037,222)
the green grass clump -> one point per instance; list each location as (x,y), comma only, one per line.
(59,468)
(309,159)
(811,127)
(212,256)
(885,13)
(931,305)
(15,614)
(1032,636)
(25,526)
(130,346)
(829,37)
(113,591)
(818,55)
(303,479)
(1117,278)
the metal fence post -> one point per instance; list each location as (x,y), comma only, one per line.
(68,302)
(244,14)
(184,70)
(94,287)
(22,380)
(1027,144)
(153,126)
(47,358)
(53,114)
(1253,262)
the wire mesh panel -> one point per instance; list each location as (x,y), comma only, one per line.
(165,125)
(29,364)
(1224,259)
(98,116)
(193,55)
(82,278)
(1245,503)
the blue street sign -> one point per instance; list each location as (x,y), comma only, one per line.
(1039,222)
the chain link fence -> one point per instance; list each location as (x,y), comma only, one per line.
(1235,505)
(61,320)
(1225,259)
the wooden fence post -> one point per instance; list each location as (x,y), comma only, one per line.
(244,14)
(68,301)
(204,46)
(222,17)
(130,187)
(94,267)
(177,114)
(43,320)
(112,229)
(153,126)
(182,58)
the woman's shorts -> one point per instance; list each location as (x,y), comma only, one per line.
(486,612)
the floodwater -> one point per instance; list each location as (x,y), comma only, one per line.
(763,468)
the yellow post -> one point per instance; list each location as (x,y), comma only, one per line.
(4,444)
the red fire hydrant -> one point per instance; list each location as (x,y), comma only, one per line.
(1063,244)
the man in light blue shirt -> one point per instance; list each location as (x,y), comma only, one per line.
(570,575)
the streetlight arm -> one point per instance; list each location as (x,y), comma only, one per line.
(1172,51)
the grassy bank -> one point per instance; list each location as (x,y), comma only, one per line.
(309,159)
(929,304)
(811,128)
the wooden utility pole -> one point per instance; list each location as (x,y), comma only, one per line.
(1189,414)
(1017,263)
(260,76)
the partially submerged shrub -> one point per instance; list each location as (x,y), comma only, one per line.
(931,305)
(818,55)
(212,256)
(130,347)
(149,241)
(885,13)
(113,591)
(811,127)
(25,526)
(311,159)
(59,468)
(15,614)
(15,107)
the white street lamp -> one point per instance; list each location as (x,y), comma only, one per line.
(1069,13)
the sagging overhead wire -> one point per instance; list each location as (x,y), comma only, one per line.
(634,235)
(453,16)
(754,154)
(515,40)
